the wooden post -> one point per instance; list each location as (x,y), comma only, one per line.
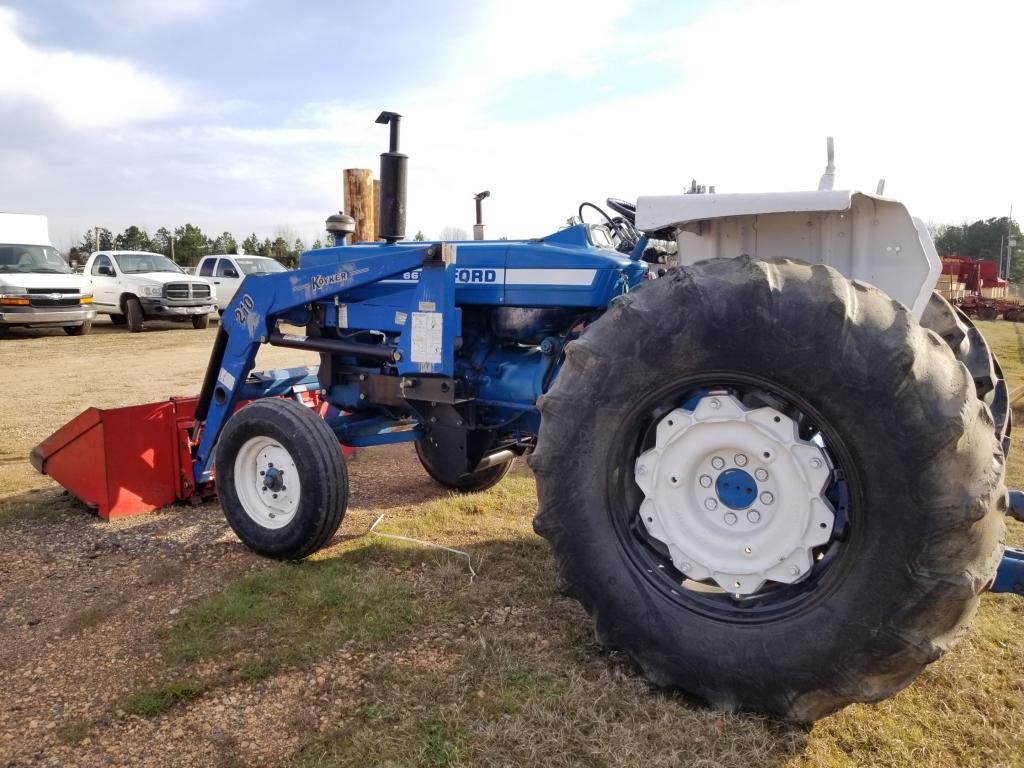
(359,203)
(376,206)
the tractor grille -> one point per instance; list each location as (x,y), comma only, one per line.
(187,291)
(54,297)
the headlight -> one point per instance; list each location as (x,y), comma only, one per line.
(151,291)
(12,295)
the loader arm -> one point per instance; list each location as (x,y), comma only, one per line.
(262,301)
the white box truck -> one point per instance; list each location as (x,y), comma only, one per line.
(37,287)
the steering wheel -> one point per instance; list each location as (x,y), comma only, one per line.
(627,237)
(623,208)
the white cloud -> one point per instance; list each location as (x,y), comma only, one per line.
(82,90)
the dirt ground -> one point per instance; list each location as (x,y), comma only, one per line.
(83,601)
(500,672)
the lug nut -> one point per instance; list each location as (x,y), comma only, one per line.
(740,459)
(718,462)
(275,495)
(754,516)
(262,473)
(747,551)
(705,481)
(730,518)
(685,567)
(795,570)
(641,470)
(710,504)
(816,463)
(767,498)
(716,404)
(761,474)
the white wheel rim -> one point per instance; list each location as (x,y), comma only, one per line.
(267,482)
(735,494)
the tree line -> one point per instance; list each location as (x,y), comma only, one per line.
(983,239)
(187,244)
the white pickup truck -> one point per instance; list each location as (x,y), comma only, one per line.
(37,287)
(135,286)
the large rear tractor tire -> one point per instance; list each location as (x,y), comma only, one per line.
(472,482)
(281,479)
(770,486)
(133,314)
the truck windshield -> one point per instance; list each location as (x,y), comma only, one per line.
(132,263)
(259,266)
(32,258)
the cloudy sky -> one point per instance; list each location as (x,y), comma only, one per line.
(241,114)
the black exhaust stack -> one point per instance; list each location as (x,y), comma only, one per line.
(393,171)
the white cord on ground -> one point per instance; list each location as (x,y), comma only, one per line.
(469,560)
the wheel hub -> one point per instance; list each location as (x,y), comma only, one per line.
(735,494)
(267,482)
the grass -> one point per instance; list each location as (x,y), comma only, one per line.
(157,700)
(503,671)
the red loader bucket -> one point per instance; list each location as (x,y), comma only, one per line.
(123,461)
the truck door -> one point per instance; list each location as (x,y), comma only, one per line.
(103,276)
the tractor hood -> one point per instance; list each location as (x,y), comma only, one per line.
(865,237)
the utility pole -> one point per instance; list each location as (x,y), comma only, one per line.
(172,249)
(96,238)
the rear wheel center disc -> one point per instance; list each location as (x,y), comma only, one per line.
(735,494)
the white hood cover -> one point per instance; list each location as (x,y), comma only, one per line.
(865,237)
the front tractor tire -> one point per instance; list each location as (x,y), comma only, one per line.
(281,479)
(770,486)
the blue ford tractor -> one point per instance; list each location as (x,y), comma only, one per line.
(773,474)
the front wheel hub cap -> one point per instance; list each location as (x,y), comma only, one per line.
(735,494)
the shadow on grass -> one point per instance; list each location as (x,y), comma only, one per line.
(498,671)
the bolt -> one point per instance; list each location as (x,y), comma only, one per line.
(795,570)
(740,459)
(718,462)
(761,474)
(716,403)
(767,498)
(816,463)
(705,481)
(262,473)
(275,495)
(271,515)
(270,464)
(754,516)
(730,518)
(265,489)
(710,504)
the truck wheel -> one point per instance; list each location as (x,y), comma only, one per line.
(200,321)
(770,486)
(480,480)
(78,330)
(281,479)
(133,314)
